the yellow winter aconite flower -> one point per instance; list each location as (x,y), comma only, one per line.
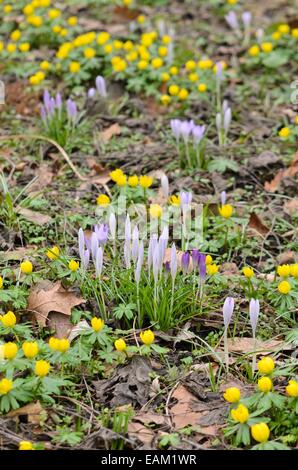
(7,8)
(165,100)
(157,62)
(35,21)
(53,253)
(209,260)
(232,2)
(10,350)
(147,337)
(283,270)
(24,47)
(232,395)
(115,174)
(190,65)
(73,265)
(26,445)
(121,180)
(276,35)
(15,35)
(26,267)
(265,384)
(63,345)
(266,365)
(267,47)
(284,287)
(11,48)
(72,21)
(142,64)
(155,211)
(146,181)
(226,211)
(6,386)
(120,344)
(284,133)
(240,414)
(1,282)
(292,388)
(74,67)
(293,271)
(166,39)
(183,94)
(103,200)
(174,90)
(141,19)
(42,368)
(248,272)
(54,13)
(9,319)
(97,324)
(284,28)
(30,349)
(254,50)
(89,53)
(162,51)
(175,200)
(53,343)
(260,432)
(133,181)
(202,87)
(212,269)
(193,77)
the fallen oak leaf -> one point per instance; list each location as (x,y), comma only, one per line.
(110,132)
(34,412)
(273,185)
(33,216)
(257,225)
(48,297)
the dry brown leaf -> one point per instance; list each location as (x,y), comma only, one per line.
(139,431)
(47,297)
(291,207)
(246,345)
(33,216)
(256,224)
(273,185)
(108,133)
(185,411)
(44,177)
(34,412)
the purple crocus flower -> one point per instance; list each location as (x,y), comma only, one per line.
(176,128)
(127,254)
(254,312)
(152,245)
(174,263)
(223,198)
(198,134)
(94,245)
(228,309)
(185,259)
(91,93)
(99,262)
(231,19)
(139,262)
(246,18)
(135,244)
(58,100)
(185,198)
(156,263)
(46,99)
(202,267)
(112,225)
(227,119)
(218,121)
(102,233)
(101,86)
(165,186)
(219,70)
(195,258)
(43,114)
(71,108)
(186,129)
(81,238)
(86,259)
(127,230)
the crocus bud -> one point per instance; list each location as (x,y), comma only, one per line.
(227,119)
(198,134)
(219,70)
(101,86)
(246,18)
(81,238)
(195,258)
(202,267)
(94,245)
(127,254)
(112,225)
(86,259)
(135,244)
(223,198)
(152,245)
(165,186)
(59,100)
(218,121)
(185,198)
(232,20)
(228,309)
(127,229)
(185,129)
(156,263)
(174,263)
(176,128)
(185,262)
(254,311)
(139,262)
(46,99)
(91,93)
(99,262)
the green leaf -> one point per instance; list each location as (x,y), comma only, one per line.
(276,58)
